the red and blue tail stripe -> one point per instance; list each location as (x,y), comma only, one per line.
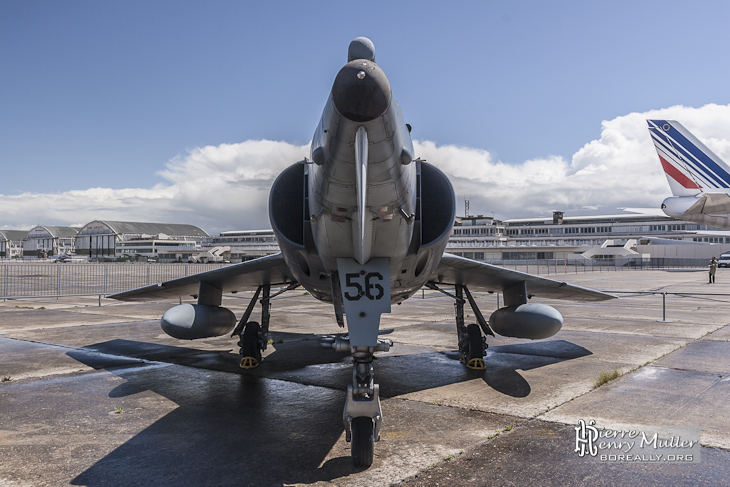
(687,160)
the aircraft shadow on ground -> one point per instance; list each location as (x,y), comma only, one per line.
(243,428)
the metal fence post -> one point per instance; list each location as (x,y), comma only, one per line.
(664,309)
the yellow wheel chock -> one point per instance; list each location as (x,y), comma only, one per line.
(250,363)
(476,364)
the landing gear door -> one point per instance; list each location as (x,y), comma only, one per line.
(366,295)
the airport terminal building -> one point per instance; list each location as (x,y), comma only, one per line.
(582,240)
(246,244)
(615,239)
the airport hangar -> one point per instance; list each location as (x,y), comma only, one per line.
(45,241)
(103,240)
(11,243)
(112,239)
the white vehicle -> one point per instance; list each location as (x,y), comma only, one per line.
(724,260)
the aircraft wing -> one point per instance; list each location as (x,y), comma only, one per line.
(480,276)
(237,277)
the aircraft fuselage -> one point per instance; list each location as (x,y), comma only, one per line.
(390,185)
(691,208)
(361,191)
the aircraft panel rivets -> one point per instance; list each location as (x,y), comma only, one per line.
(361,75)
(362,314)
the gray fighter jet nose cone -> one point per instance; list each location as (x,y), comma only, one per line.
(361,91)
(361,48)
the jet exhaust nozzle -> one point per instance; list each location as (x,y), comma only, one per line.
(531,320)
(192,321)
(361,91)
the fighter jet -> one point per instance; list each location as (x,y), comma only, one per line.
(362,224)
(698,178)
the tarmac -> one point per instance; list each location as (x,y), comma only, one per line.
(100,396)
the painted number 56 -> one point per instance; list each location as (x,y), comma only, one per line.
(366,285)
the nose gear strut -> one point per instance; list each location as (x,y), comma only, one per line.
(363,415)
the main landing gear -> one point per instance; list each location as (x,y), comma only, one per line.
(254,337)
(472,345)
(473,351)
(251,345)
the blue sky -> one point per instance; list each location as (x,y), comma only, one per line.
(119,95)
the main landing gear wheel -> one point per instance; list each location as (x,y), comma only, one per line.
(475,356)
(249,343)
(363,441)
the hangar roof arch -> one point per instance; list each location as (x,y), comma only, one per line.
(106,227)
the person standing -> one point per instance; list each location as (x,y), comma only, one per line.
(713,269)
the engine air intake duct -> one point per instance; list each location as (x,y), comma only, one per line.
(192,321)
(286,204)
(532,321)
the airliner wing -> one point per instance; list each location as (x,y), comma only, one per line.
(237,277)
(480,276)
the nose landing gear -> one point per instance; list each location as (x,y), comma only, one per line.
(363,415)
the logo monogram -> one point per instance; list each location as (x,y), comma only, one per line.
(585,438)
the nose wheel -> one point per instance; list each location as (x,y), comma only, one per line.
(363,415)
(363,441)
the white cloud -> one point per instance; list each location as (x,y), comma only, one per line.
(226,187)
(217,188)
(620,169)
